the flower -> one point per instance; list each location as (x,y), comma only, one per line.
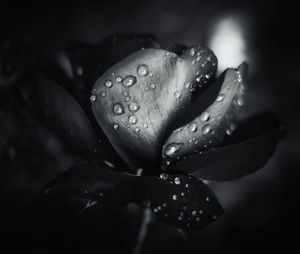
(152,124)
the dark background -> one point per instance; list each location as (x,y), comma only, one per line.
(261,209)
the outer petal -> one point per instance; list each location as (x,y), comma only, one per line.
(218,120)
(179,200)
(136,101)
(249,149)
(61,113)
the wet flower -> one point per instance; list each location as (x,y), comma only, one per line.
(152,124)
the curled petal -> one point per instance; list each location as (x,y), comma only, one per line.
(179,200)
(246,151)
(138,99)
(210,127)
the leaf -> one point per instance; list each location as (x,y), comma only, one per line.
(95,184)
(61,113)
(212,125)
(249,149)
(181,201)
(136,101)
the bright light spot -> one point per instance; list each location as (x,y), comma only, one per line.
(227,42)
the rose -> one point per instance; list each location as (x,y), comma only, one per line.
(160,122)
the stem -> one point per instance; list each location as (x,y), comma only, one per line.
(147,218)
(185,239)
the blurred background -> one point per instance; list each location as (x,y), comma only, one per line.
(261,210)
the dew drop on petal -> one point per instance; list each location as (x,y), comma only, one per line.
(134,106)
(108,83)
(103,94)
(172,148)
(129,81)
(118,109)
(206,129)
(220,97)
(116,126)
(177,180)
(137,129)
(145,125)
(205,116)
(143,70)
(240,102)
(132,119)
(192,52)
(163,176)
(174,197)
(118,79)
(192,127)
(177,94)
(93,98)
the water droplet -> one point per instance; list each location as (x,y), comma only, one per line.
(205,116)
(134,106)
(108,83)
(125,93)
(220,97)
(194,213)
(118,79)
(177,94)
(177,180)
(229,132)
(192,127)
(118,109)
(143,70)
(174,197)
(187,85)
(198,79)
(163,176)
(207,199)
(93,98)
(198,58)
(172,148)
(129,81)
(206,129)
(187,185)
(145,125)
(153,86)
(240,102)
(103,94)
(192,52)
(116,126)
(137,129)
(132,119)
(127,98)
(215,217)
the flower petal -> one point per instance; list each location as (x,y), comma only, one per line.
(247,150)
(179,200)
(61,113)
(94,183)
(218,120)
(136,101)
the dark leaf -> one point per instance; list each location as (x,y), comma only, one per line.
(257,140)
(94,184)
(212,125)
(61,113)
(182,201)
(136,101)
